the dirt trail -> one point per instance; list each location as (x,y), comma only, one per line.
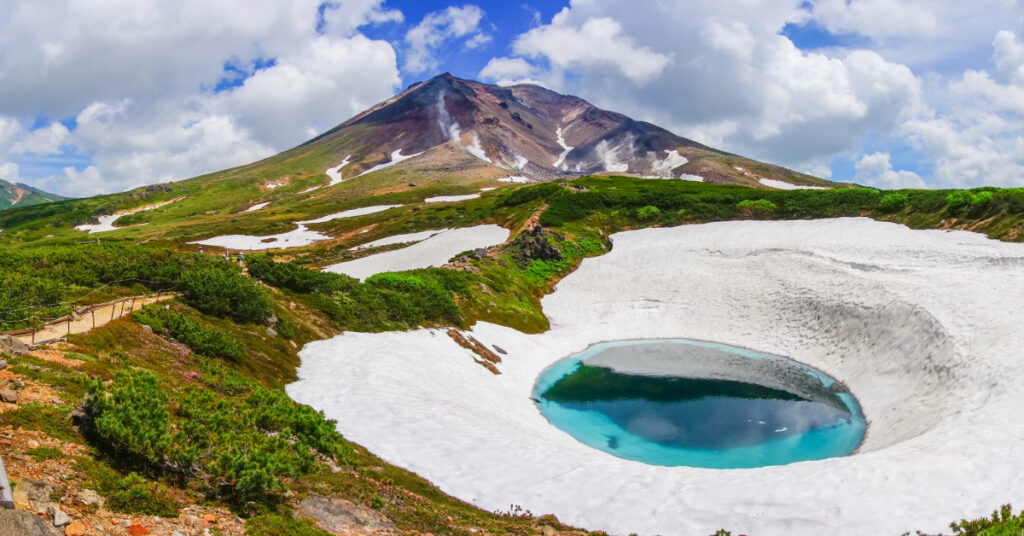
(99,316)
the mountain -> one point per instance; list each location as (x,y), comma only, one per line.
(22,195)
(529,131)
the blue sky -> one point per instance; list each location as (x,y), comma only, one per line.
(99,97)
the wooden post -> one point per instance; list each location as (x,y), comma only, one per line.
(69,324)
(33,329)
(93,311)
(113,307)
(132,308)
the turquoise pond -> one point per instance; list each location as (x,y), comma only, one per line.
(682,402)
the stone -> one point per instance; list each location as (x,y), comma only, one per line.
(22,523)
(499,349)
(210,518)
(147,328)
(343,518)
(10,345)
(76,528)
(57,516)
(138,530)
(88,497)
(8,395)
(32,495)
(3,364)
(271,332)
(32,444)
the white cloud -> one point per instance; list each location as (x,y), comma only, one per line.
(438,27)
(9,172)
(875,169)
(508,71)
(597,43)
(140,76)
(43,141)
(718,72)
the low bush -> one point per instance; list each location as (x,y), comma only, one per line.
(893,202)
(223,292)
(199,339)
(755,209)
(240,446)
(279,525)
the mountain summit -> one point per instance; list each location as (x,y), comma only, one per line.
(529,131)
(22,195)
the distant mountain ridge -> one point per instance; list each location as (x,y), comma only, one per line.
(534,132)
(22,195)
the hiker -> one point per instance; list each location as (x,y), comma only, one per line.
(241,259)
(227,256)
(200,250)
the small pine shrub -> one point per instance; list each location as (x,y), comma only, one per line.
(648,213)
(200,339)
(958,198)
(225,293)
(893,202)
(279,525)
(131,416)
(755,209)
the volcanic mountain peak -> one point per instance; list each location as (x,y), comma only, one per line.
(534,132)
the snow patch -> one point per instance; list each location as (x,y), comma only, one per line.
(401,239)
(434,251)
(334,173)
(256,207)
(518,179)
(299,237)
(107,222)
(450,198)
(782,185)
(865,302)
(396,157)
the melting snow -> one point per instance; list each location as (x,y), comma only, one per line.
(560,162)
(107,222)
(518,179)
(256,207)
(302,236)
(782,185)
(396,157)
(450,198)
(335,172)
(434,251)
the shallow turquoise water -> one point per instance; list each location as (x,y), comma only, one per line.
(717,423)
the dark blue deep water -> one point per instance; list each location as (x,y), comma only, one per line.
(726,419)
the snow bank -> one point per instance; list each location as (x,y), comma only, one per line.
(434,251)
(518,179)
(334,173)
(450,198)
(560,162)
(256,207)
(783,185)
(922,326)
(396,157)
(302,236)
(402,238)
(107,222)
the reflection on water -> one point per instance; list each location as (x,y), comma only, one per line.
(797,414)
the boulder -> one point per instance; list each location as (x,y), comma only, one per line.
(22,523)
(8,395)
(32,495)
(76,528)
(57,516)
(3,364)
(88,497)
(10,345)
(343,518)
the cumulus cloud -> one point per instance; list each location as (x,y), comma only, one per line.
(9,172)
(438,27)
(149,110)
(509,71)
(720,73)
(875,169)
(597,43)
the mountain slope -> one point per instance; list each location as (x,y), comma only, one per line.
(534,132)
(23,195)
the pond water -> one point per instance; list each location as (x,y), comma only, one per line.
(683,402)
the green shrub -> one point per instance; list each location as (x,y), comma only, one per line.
(893,202)
(982,198)
(226,293)
(1001,523)
(128,495)
(45,453)
(131,416)
(755,209)
(293,277)
(199,339)
(958,198)
(648,212)
(279,525)
(51,420)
